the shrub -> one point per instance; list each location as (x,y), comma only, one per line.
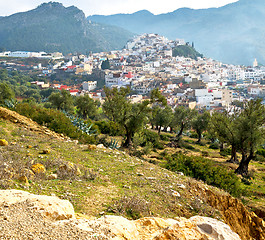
(54,120)
(205,154)
(205,170)
(184,144)
(214,145)
(165,137)
(225,152)
(193,135)
(109,127)
(131,207)
(261,152)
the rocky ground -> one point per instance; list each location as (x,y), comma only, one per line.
(29,216)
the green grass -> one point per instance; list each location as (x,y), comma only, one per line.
(118,175)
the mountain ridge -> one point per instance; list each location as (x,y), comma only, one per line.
(224,33)
(52,27)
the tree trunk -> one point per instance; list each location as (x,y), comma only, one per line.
(243,166)
(199,137)
(128,141)
(159,130)
(221,146)
(180,131)
(233,158)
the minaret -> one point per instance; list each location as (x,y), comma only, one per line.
(255,63)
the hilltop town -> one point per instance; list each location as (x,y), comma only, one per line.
(147,62)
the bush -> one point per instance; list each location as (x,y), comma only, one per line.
(225,152)
(184,144)
(132,207)
(261,152)
(205,170)
(165,137)
(214,146)
(109,127)
(193,135)
(54,120)
(151,137)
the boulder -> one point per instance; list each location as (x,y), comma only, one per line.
(91,147)
(3,142)
(214,228)
(24,179)
(120,228)
(52,176)
(49,206)
(28,173)
(68,169)
(38,168)
(46,151)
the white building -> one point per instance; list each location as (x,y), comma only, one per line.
(89,86)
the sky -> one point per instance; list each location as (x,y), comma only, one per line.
(107,7)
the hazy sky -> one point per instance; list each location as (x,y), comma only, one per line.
(106,7)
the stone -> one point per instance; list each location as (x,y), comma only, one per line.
(214,228)
(181,186)
(52,176)
(151,228)
(28,173)
(101,146)
(175,193)
(3,142)
(38,168)
(24,179)
(91,147)
(69,168)
(50,206)
(46,151)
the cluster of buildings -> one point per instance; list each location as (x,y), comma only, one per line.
(148,62)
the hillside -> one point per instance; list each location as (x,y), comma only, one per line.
(51,27)
(100,181)
(232,34)
(186,51)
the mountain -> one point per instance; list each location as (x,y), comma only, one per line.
(52,27)
(233,33)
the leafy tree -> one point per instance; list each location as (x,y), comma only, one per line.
(157,98)
(182,119)
(225,127)
(250,127)
(6,93)
(200,123)
(62,100)
(105,64)
(86,107)
(163,118)
(119,109)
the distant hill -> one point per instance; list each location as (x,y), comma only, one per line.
(186,51)
(232,34)
(52,27)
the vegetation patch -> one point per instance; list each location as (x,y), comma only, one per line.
(205,170)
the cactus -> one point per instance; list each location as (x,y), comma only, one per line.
(11,104)
(113,144)
(79,123)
